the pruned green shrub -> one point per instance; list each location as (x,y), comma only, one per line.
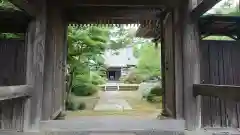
(145,88)
(72,106)
(157,91)
(155,94)
(82,106)
(133,78)
(150,97)
(86,89)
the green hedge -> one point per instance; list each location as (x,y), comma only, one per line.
(86,89)
(155,94)
(157,91)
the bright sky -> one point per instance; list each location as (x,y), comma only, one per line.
(235,2)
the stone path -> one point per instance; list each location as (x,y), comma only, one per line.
(109,101)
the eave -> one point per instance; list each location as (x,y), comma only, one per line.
(33,6)
(216,25)
(112,15)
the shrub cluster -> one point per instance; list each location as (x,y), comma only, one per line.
(154,94)
(84,89)
(133,78)
(73,106)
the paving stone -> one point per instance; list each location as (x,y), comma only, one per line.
(109,102)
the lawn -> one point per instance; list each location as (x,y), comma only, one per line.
(140,106)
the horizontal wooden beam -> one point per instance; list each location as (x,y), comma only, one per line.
(104,21)
(123,3)
(228,92)
(111,13)
(202,7)
(10,92)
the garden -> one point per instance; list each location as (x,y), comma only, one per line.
(86,70)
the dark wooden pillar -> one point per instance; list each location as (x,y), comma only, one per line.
(45,65)
(191,66)
(164,112)
(54,67)
(170,106)
(36,42)
(178,63)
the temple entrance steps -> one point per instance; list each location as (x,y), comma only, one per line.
(118,86)
(112,88)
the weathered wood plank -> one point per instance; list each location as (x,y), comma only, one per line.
(214,67)
(10,92)
(12,58)
(11,117)
(13,92)
(221,91)
(204,78)
(223,66)
(169,66)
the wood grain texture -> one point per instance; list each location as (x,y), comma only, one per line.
(178,64)
(45,65)
(11,114)
(36,37)
(12,62)
(220,68)
(12,72)
(191,67)
(54,67)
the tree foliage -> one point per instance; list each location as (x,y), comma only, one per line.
(85,48)
(148,66)
(6,5)
(149,61)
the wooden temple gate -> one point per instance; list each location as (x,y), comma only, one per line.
(41,96)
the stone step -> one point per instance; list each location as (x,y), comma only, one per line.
(111,88)
(136,132)
(114,133)
(111,124)
(128,88)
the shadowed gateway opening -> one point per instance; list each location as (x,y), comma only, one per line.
(113,74)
